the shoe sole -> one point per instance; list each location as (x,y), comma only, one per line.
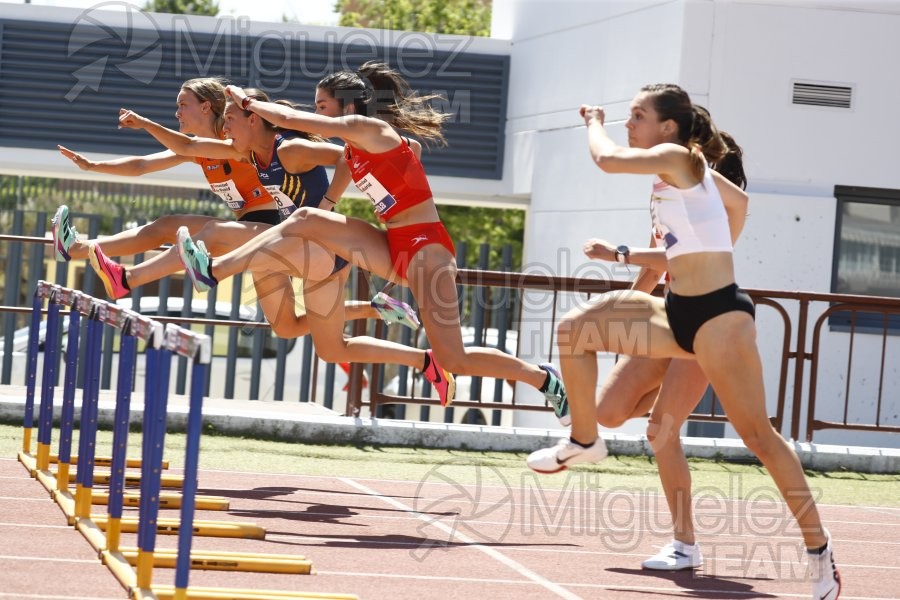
(188,269)
(101,274)
(688,568)
(542,472)
(451,390)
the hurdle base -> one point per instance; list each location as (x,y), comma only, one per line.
(28,461)
(120,567)
(166,500)
(66,503)
(92,533)
(167,592)
(46,479)
(105,461)
(226,529)
(166,480)
(252,562)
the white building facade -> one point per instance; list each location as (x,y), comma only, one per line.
(742,59)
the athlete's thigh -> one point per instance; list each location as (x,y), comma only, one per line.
(622,322)
(361,243)
(276,296)
(324,302)
(223,236)
(631,378)
(432,280)
(681,390)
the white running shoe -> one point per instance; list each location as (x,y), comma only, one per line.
(675,556)
(823,573)
(564,454)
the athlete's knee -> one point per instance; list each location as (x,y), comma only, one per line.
(762,440)
(293,329)
(162,229)
(610,415)
(303,217)
(453,362)
(332,351)
(662,430)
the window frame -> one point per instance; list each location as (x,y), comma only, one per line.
(865,322)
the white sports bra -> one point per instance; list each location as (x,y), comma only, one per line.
(692,220)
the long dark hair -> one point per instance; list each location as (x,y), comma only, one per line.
(376,90)
(698,133)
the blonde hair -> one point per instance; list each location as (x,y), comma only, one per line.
(212,90)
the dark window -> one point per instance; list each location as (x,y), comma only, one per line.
(866,252)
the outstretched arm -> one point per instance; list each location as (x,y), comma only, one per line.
(178,142)
(653,259)
(299,155)
(372,135)
(128,166)
(670,159)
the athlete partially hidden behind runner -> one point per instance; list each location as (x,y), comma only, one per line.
(283,159)
(369,109)
(200,112)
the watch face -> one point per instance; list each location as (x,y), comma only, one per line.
(625,250)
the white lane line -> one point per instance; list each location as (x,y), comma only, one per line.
(686,593)
(79,561)
(20,596)
(579,551)
(9,524)
(515,566)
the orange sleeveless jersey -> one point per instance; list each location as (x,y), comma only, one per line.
(236,183)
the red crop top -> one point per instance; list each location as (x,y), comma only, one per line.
(394,181)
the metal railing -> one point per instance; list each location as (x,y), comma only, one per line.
(496,301)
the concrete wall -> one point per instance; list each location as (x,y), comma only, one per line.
(739,58)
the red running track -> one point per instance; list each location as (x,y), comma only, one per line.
(437,538)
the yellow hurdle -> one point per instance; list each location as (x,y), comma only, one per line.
(227,529)
(167,480)
(105,461)
(166,500)
(254,562)
(167,592)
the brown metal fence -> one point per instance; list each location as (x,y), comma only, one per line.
(795,360)
(865,350)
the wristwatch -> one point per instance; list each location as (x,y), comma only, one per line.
(245,102)
(622,253)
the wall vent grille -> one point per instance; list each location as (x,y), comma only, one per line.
(818,94)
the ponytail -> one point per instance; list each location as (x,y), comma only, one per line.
(378,91)
(698,133)
(717,148)
(731,164)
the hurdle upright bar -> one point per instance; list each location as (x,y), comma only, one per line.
(198,348)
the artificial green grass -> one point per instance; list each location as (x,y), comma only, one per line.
(625,473)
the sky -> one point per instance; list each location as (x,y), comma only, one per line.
(310,12)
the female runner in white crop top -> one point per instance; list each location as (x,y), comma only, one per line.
(705,315)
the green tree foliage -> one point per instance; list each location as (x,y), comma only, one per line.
(464,17)
(209,8)
(474,225)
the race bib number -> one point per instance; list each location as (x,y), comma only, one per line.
(285,205)
(381,200)
(228,192)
